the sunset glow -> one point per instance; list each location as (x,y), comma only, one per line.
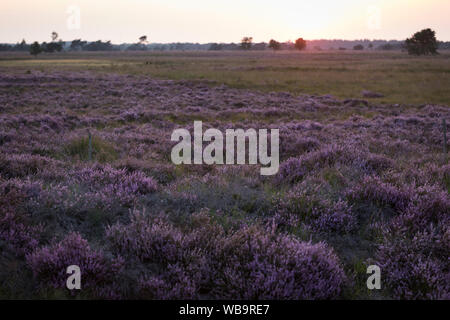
(223,21)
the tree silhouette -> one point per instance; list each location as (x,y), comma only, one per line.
(98,46)
(422,43)
(143,40)
(246,43)
(300,44)
(215,47)
(275,45)
(35,49)
(22,46)
(77,44)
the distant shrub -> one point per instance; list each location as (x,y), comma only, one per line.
(215,47)
(52,47)
(77,45)
(35,49)
(246,43)
(300,44)
(98,46)
(275,45)
(358,47)
(422,43)
(389,46)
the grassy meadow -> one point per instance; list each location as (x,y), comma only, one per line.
(401,78)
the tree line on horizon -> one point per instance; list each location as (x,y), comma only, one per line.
(423,42)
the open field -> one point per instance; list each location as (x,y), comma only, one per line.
(401,78)
(359,183)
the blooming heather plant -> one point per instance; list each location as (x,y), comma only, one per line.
(148,239)
(295,169)
(291,145)
(154,240)
(17,231)
(173,284)
(366,183)
(416,268)
(247,264)
(373,189)
(49,266)
(115,183)
(97,187)
(22,165)
(17,235)
(253,264)
(337,218)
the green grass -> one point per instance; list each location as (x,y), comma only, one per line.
(102,151)
(401,78)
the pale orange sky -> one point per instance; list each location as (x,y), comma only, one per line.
(221,21)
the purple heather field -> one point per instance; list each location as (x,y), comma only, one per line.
(360,183)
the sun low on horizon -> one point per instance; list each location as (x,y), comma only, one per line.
(221,21)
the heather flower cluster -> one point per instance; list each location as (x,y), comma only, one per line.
(358,184)
(49,266)
(248,263)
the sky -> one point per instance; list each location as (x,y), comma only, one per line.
(207,21)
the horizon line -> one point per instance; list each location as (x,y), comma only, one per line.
(221,42)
